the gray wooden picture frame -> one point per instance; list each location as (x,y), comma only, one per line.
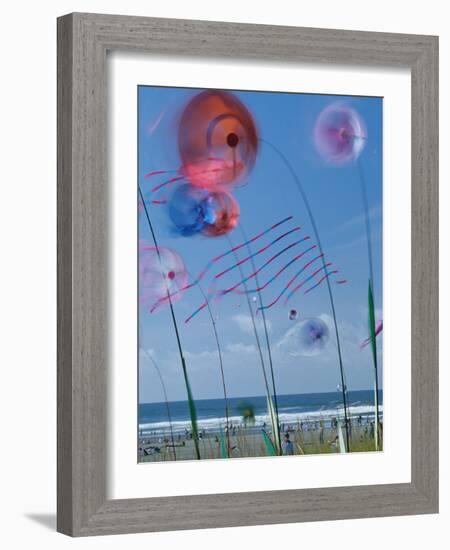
(83,41)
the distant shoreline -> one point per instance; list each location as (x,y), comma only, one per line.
(292,408)
(280,395)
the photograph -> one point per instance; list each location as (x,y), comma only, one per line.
(259,252)
(221,292)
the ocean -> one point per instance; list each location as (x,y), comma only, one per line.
(305,407)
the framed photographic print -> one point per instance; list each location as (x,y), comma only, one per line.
(247,274)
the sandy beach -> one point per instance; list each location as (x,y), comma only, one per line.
(249,441)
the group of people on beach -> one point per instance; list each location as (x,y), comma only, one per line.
(153,443)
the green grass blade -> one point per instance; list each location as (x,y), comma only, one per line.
(372,328)
(275,427)
(269,444)
(223,446)
(192,414)
(373,345)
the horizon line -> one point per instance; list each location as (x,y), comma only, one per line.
(252,396)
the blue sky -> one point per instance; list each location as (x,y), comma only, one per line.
(287,121)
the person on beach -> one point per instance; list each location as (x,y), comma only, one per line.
(288,447)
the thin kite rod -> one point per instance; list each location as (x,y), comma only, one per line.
(266,332)
(330,293)
(177,334)
(255,331)
(169,416)
(363,187)
(222,370)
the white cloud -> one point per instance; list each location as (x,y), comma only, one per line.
(201,355)
(146,355)
(245,323)
(241,348)
(358,241)
(360,219)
